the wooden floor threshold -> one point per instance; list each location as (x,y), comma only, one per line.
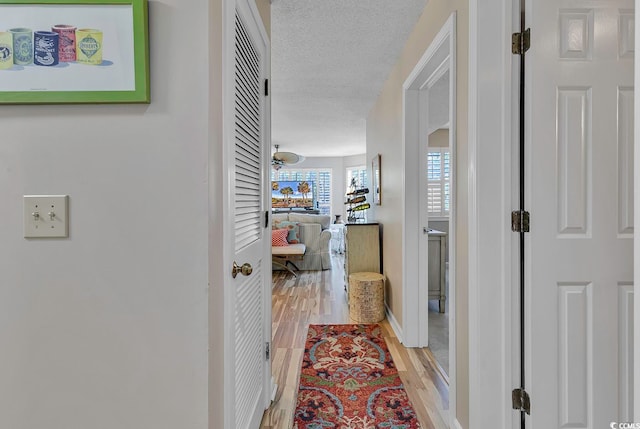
(436,365)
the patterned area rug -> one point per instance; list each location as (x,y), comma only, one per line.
(349,381)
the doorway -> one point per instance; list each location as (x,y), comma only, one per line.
(436,186)
(429,117)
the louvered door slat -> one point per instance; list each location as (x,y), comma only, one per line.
(247,199)
(248,101)
(250,87)
(246,149)
(244,124)
(247,50)
(249,167)
(247,98)
(246,182)
(245,134)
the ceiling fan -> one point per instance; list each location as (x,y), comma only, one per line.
(281,159)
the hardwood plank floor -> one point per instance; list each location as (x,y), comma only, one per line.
(319,297)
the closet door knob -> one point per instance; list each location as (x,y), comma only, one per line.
(246,269)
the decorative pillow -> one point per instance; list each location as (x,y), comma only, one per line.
(293,227)
(279,237)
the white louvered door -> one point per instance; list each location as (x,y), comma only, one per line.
(580,176)
(250,241)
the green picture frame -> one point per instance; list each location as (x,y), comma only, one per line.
(125,80)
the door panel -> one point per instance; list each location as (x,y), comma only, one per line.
(580,172)
(247,362)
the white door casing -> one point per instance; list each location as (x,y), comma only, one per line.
(438,59)
(492,177)
(246,154)
(635,363)
(579,165)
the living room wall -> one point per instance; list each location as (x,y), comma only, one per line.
(384,136)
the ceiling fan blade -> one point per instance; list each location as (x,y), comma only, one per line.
(288,157)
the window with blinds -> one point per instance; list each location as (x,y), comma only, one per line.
(321,178)
(356,178)
(438,182)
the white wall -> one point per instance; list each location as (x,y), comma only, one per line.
(108,328)
(338,166)
(355,160)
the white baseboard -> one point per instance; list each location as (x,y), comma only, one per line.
(274,389)
(456,424)
(394,323)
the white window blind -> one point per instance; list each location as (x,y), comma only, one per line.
(321,179)
(438,182)
(356,176)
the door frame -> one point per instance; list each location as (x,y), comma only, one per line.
(492,166)
(636,243)
(253,20)
(439,58)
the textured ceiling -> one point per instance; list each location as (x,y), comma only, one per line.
(330,59)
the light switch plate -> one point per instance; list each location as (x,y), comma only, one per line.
(46,216)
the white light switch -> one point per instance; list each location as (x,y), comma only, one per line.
(46,216)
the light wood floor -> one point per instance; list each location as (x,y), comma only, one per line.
(319,297)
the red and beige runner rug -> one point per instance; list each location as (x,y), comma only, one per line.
(349,381)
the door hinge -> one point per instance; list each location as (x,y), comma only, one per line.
(520,400)
(520,221)
(520,42)
(267,352)
(266,218)
(266,87)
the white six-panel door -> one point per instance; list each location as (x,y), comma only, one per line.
(580,195)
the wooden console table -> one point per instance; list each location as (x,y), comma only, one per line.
(362,250)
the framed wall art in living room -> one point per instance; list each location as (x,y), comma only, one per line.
(74,51)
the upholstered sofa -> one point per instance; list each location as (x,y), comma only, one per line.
(314,233)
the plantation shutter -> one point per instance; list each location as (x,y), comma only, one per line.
(248,312)
(438,182)
(360,176)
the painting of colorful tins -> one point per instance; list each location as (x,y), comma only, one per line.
(89,46)
(45,48)
(22,46)
(6,50)
(67,42)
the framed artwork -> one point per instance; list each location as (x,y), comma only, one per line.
(74,51)
(376,180)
